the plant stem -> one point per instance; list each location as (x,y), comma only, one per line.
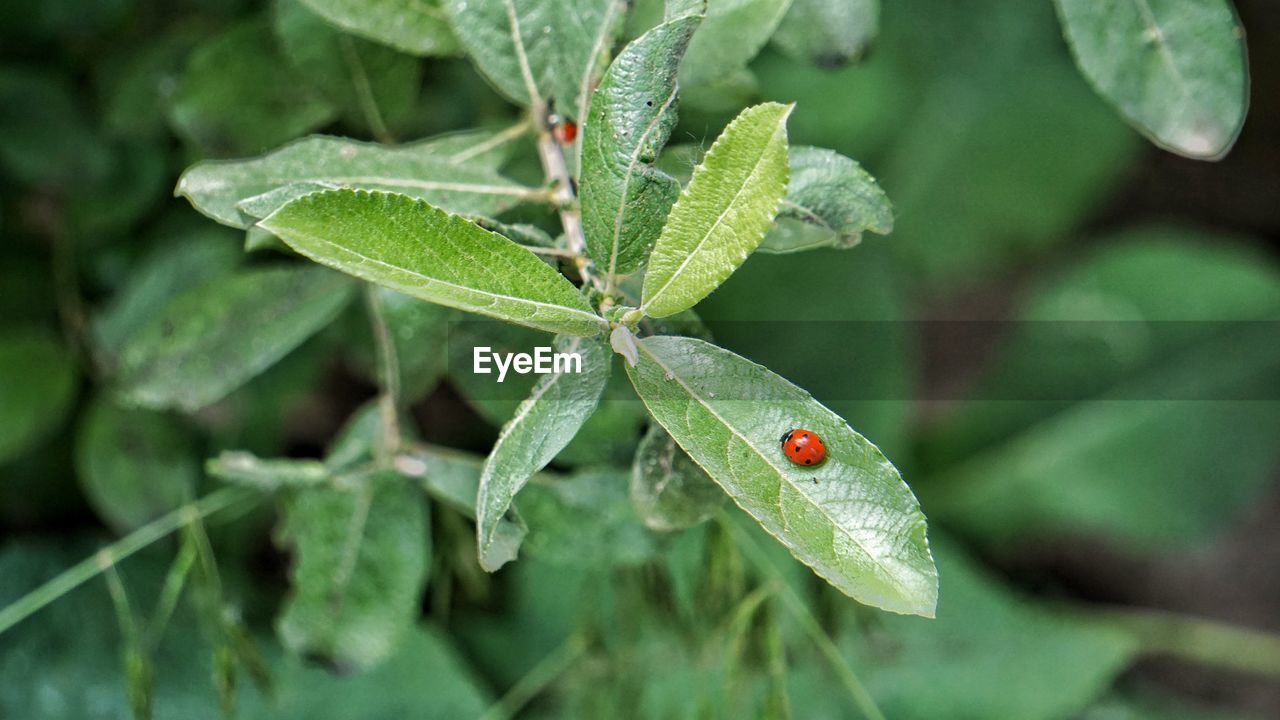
(537,679)
(364,91)
(1191,638)
(389,372)
(857,691)
(90,567)
(557,172)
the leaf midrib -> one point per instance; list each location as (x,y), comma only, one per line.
(782,477)
(595,319)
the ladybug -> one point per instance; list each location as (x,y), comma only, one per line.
(803,447)
(564,130)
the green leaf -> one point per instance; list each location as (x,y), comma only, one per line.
(1175,69)
(733,32)
(134,465)
(624,198)
(37,388)
(543,424)
(1050,666)
(414,248)
(361,558)
(723,214)
(269,475)
(453,172)
(668,489)
(830,202)
(374,86)
(585,520)
(217,336)
(549,51)
(238,95)
(176,264)
(427,678)
(828,33)
(1142,372)
(414,26)
(852,518)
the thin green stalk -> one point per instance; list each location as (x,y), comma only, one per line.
(174,582)
(796,606)
(364,91)
(537,679)
(389,377)
(1196,639)
(90,567)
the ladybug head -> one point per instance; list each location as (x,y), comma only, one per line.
(785,436)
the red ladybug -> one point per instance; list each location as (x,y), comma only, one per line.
(803,447)
(564,130)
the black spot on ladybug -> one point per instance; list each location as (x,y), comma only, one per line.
(808,462)
(804,436)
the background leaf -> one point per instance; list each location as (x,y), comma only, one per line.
(624,198)
(374,86)
(668,489)
(238,95)
(134,465)
(176,264)
(723,214)
(730,35)
(828,33)
(37,387)
(1115,405)
(550,48)
(453,172)
(919,669)
(215,337)
(830,201)
(414,26)
(1176,69)
(412,247)
(362,555)
(543,424)
(851,519)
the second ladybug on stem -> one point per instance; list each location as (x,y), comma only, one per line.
(803,447)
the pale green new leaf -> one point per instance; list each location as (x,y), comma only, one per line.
(851,518)
(723,214)
(668,489)
(457,173)
(624,198)
(414,26)
(539,50)
(134,465)
(217,336)
(361,556)
(830,202)
(1175,69)
(733,32)
(423,251)
(543,424)
(828,33)
(37,388)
